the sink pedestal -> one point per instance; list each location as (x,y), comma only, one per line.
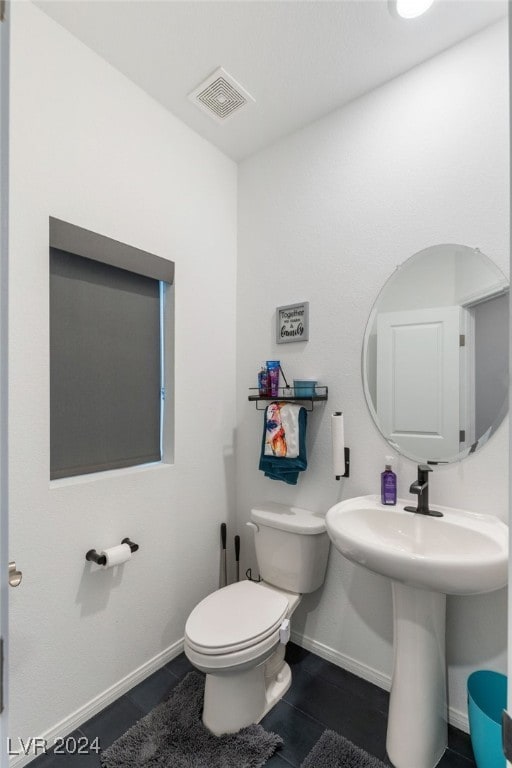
(426,558)
(417,724)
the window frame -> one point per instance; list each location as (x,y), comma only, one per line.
(91,245)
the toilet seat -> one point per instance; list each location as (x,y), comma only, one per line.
(237,636)
(234,619)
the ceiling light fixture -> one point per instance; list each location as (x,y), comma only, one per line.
(409,9)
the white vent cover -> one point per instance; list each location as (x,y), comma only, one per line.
(220,96)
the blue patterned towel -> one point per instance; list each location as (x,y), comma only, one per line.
(283,447)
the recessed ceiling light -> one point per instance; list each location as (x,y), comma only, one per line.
(409,9)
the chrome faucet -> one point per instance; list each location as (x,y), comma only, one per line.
(420,487)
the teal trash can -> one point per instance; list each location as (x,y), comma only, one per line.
(487,698)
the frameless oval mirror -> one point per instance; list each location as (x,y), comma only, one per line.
(435,354)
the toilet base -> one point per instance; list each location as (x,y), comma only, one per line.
(277,689)
(233,701)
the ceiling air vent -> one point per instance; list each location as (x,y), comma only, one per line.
(220,96)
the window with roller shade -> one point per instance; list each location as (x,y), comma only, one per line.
(107,371)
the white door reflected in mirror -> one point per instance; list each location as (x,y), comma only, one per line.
(418,361)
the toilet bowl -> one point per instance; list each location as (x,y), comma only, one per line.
(237,635)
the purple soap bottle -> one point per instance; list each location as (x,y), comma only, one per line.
(388,484)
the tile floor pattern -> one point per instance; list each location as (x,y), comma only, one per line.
(321,696)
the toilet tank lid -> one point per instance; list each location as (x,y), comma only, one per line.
(287,518)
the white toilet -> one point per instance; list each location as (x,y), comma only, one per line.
(238,634)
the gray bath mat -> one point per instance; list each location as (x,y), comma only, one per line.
(334,751)
(173,736)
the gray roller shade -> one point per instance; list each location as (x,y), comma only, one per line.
(105,366)
(83,242)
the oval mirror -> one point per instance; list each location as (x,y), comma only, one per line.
(435,354)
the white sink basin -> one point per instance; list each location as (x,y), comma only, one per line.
(461,553)
(426,558)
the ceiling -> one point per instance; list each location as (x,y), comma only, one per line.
(299,59)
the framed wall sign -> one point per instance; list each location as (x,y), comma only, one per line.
(292,323)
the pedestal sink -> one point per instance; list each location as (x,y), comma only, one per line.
(461,553)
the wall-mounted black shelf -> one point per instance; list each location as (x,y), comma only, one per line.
(287,394)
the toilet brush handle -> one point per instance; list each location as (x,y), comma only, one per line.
(237,557)
(223,538)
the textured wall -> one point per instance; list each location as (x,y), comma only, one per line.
(326,215)
(91,148)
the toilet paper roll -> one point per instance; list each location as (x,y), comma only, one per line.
(117,555)
(338,444)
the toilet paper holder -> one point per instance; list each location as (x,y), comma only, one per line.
(95,556)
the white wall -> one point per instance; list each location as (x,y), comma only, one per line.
(91,148)
(325,215)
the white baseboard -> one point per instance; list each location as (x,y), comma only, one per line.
(458,719)
(343,661)
(455,717)
(80,716)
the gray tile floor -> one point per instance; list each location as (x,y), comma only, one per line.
(321,696)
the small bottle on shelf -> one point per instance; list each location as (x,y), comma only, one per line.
(263,381)
(273,369)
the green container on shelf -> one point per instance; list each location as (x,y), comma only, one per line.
(304,387)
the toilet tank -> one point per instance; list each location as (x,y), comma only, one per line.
(292,546)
